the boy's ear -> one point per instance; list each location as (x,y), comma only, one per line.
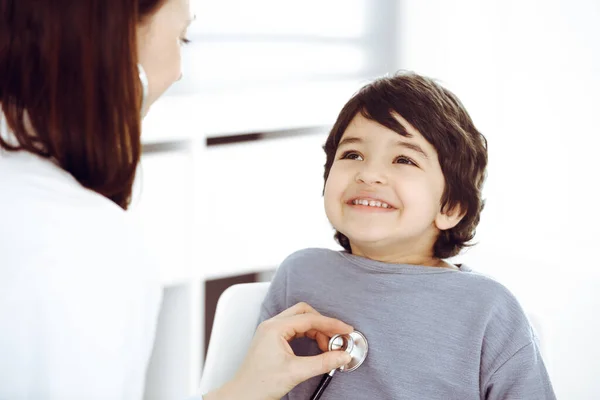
(448,218)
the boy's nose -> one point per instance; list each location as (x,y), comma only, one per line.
(370,176)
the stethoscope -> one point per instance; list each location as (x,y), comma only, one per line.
(356,345)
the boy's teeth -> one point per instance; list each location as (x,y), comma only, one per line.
(371,203)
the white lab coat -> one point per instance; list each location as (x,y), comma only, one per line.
(79,297)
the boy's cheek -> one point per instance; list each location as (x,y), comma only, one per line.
(418,196)
(334,188)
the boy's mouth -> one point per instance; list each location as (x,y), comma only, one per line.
(367,202)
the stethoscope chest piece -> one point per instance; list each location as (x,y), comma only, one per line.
(355,344)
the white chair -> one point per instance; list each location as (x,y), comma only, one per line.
(236,319)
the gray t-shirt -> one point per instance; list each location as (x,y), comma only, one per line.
(433,333)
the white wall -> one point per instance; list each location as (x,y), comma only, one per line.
(267,203)
(529,73)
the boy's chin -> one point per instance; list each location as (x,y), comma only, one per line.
(371,236)
(370,243)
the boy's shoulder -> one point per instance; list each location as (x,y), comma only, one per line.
(475,284)
(501,306)
(309,257)
(484,283)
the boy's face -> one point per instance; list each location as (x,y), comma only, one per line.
(400,179)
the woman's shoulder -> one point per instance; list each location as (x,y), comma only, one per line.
(51,221)
(29,179)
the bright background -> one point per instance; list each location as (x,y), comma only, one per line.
(216,205)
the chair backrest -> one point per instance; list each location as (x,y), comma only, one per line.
(236,319)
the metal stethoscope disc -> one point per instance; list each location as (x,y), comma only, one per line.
(355,344)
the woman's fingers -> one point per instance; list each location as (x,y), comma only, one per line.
(321,339)
(307,367)
(298,325)
(273,376)
(326,325)
(300,308)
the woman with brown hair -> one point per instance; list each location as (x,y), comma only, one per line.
(78,295)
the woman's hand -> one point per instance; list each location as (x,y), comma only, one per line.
(271,369)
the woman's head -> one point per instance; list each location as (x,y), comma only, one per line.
(69,85)
(161,33)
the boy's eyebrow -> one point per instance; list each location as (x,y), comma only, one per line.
(412,146)
(350,140)
(402,143)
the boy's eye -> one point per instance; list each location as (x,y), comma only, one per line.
(184,40)
(351,155)
(405,160)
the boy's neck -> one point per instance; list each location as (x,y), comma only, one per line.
(399,257)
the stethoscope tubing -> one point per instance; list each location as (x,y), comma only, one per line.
(322,385)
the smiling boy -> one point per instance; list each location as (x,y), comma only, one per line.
(403,179)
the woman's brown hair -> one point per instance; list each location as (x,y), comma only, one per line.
(69,87)
(444,122)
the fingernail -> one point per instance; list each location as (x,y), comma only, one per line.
(345,358)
